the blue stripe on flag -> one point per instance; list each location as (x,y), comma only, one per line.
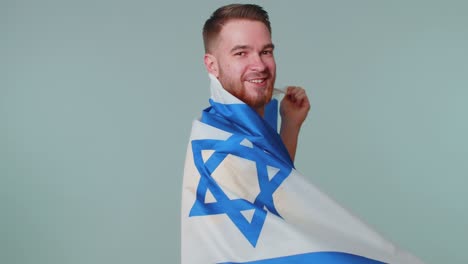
(316,257)
(242,119)
(271,114)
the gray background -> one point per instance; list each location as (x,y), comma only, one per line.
(97,99)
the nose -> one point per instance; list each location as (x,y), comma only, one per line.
(257,63)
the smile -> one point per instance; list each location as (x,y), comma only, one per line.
(256,81)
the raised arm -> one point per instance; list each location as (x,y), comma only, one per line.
(293,110)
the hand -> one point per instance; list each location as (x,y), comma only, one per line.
(294,107)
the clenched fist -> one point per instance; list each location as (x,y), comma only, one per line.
(294,106)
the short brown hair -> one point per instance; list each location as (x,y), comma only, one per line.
(223,14)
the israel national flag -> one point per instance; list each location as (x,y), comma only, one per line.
(244,202)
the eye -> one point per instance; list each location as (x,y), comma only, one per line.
(267,52)
(240,53)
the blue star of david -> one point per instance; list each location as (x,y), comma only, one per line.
(232,207)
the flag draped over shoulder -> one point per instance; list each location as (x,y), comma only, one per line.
(244,202)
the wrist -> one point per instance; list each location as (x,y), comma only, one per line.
(289,124)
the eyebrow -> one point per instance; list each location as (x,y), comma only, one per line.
(269,46)
(246,47)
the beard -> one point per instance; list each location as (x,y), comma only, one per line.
(256,96)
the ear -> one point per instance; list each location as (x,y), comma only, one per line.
(211,64)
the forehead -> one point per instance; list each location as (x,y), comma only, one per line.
(244,32)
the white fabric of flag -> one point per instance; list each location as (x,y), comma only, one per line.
(244,202)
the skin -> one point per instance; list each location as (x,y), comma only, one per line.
(242,59)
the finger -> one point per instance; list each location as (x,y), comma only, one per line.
(306,103)
(291,92)
(302,100)
(293,89)
(298,94)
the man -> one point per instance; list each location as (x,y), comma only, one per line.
(242,199)
(239,52)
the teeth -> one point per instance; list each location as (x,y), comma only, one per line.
(256,81)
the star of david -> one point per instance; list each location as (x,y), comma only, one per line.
(233,208)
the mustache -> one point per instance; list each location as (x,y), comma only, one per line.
(257,75)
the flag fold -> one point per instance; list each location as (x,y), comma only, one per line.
(244,202)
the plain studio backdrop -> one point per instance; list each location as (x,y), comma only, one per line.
(97,100)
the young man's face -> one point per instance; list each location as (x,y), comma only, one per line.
(242,59)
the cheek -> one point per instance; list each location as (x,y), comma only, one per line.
(272,65)
(236,68)
(227,69)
